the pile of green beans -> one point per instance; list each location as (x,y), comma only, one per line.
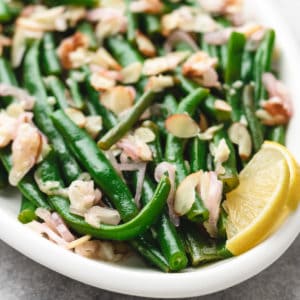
(148,226)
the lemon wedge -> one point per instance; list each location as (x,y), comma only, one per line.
(259,203)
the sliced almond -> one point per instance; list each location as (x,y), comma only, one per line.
(222,105)
(131,73)
(118,99)
(145,134)
(182,126)
(209,133)
(185,194)
(103,58)
(145,45)
(157,65)
(159,83)
(102,83)
(239,135)
(93,125)
(76,116)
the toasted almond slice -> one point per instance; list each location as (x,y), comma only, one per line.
(159,83)
(209,133)
(145,45)
(76,116)
(118,98)
(182,126)
(145,134)
(102,83)
(93,125)
(186,194)
(103,58)
(222,105)
(239,135)
(131,73)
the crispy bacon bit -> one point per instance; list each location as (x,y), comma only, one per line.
(69,45)
(182,126)
(201,66)
(279,105)
(118,98)
(221,6)
(135,148)
(76,116)
(187,18)
(162,64)
(239,135)
(161,169)
(146,6)
(159,83)
(97,215)
(93,125)
(82,196)
(131,73)
(26,149)
(101,82)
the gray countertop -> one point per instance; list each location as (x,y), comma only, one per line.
(21,278)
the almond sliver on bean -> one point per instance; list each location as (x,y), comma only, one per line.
(145,134)
(186,194)
(239,135)
(76,116)
(131,73)
(182,126)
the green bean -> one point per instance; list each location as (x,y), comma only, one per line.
(86,3)
(132,23)
(247,66)
(123,51)
(175,148)
(27,185)
(58,90)
(96,163)
(27,211)
(167,237)
(222,224)
(209,108)
(186,84)
(198,155)
(277,134)
(7,76)
(230,177)
(51,63)
(152,24)
(5,14)
(150,253)
(34,84)
(108,118)
(199,248)
(73,84)
(87,29)
(135,226)
(3,176)
(126,124)
(235,50)
(263,61)
(253,123)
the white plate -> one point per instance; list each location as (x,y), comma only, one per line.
(134,278)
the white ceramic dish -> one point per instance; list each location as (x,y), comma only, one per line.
(133,277)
